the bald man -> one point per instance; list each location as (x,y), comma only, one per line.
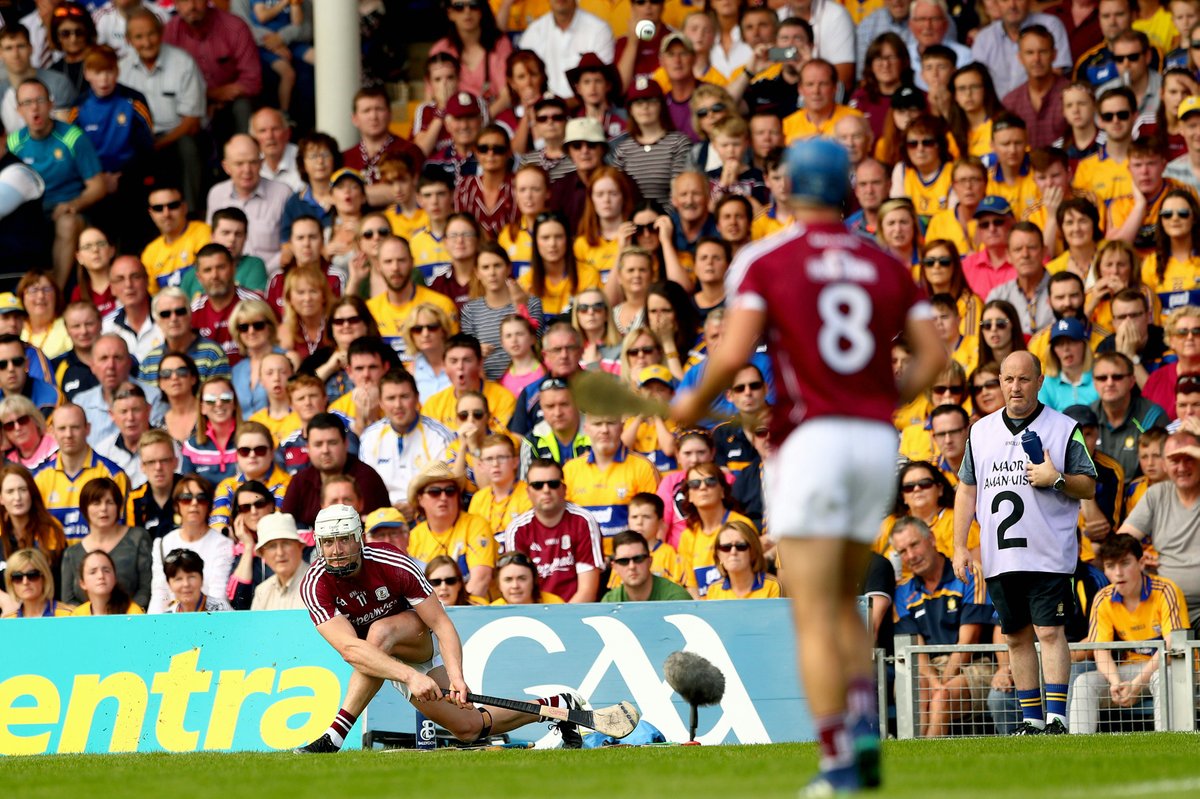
(271,131)
(260,198)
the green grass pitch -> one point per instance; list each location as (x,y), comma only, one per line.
(1162,766)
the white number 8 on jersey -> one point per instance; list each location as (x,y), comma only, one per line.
(845,341)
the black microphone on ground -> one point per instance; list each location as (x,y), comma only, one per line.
(696,680)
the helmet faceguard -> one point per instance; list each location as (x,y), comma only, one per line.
(334,522)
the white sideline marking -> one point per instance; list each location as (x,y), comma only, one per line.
(1142,788)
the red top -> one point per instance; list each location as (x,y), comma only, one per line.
(275,288)
(468,198)
(214,324)
(560,552)
(386,584)
(223,48)
(356,157)
(105,302)
(834,303)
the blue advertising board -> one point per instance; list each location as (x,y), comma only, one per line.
(268,681)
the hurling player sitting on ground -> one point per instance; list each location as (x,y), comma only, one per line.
(369,601)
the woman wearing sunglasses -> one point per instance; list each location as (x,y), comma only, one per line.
(25,432)
(941,272)
(1172,271)
(448,585)
(711,105)
(72,33)
(256,335)
(641,348)
(592,317)
(193,503)
(184,570)
(950,388)
(924,172)
(425,332)
(128,548)
(986,396)
(742,565)
(30,587)
(179,382)
(210,451)
(349,319)
(446,529)
(924,493)
(999,332)
(475,423)
(24,521)
(250,503)
(488,196)
(708,507)
(255,463)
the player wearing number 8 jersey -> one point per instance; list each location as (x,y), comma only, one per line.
(829,303)
(1025,492)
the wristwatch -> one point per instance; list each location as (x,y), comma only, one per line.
(1061,483)
(1137,360)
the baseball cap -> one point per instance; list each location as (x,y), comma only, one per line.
(993,204)
(819,169)
(585,129)
(1190,105)
(656,372)
(10,304)
(1070,328)
(908,98)
(1082,415)
(384,517)
(643,88)
(347,172)
(676,38)
(462,105)
(277,527)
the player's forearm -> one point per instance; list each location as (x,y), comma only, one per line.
(1106,666)
(964,514)
(450,645)
(479,581)
(374,662)
(929,359)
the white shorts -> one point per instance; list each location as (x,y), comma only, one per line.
(424,668)
(834,477)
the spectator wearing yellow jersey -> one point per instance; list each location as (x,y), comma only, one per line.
(738,553)
(709,508)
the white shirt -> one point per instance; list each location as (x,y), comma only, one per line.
(96,409)
(141,341)
(739,54)
(995,50)
(398,459)
(833,30)
(961,51)
(287,173)
(214,549)
(44,53)
(264,209)
(560,50)
(110,24)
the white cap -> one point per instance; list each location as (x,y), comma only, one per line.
(277,527)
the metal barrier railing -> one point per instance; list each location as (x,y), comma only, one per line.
(955,690)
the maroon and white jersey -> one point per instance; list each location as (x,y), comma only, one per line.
(834,303)
(214,324)
(387,584)
(560,552)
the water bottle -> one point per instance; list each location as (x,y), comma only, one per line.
(1032,443)
(426,733)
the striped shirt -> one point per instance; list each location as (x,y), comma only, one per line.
(483,322)
(652,166)
(387,583)
(222,508)
(209,357)
(469,198)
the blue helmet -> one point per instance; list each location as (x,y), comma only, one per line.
(819,170)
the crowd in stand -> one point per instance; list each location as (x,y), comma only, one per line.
(216,332)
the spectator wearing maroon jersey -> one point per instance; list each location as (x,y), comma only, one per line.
(488,195)
(561,539)
(211,312)
(329,455)
(371,117)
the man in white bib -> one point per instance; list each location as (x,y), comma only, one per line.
(1028,514)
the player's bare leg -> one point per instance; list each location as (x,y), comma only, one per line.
(1023,661)
(468,724)
(407,638)
(821,576)
(1056,668)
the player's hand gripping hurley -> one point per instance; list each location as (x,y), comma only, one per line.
(616,721)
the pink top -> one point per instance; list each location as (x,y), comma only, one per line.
(982,277)
(45,449)
(515,383)
(487,79)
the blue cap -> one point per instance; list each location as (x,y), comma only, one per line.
(993,204)
(819,170)
(1070,328)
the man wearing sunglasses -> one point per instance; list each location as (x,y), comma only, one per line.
(179,238)
(989,267)
(210,314)
(1131,56)
(561,538)
(733,439)
(586,147)
(113,366)
(173,313)
(549,129)
(631,562)
(1106,173)
(15,377)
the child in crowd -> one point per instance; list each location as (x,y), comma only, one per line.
(275,15)
(519,340)
(646,517)
(404,214)
(653,436)
(731,138)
